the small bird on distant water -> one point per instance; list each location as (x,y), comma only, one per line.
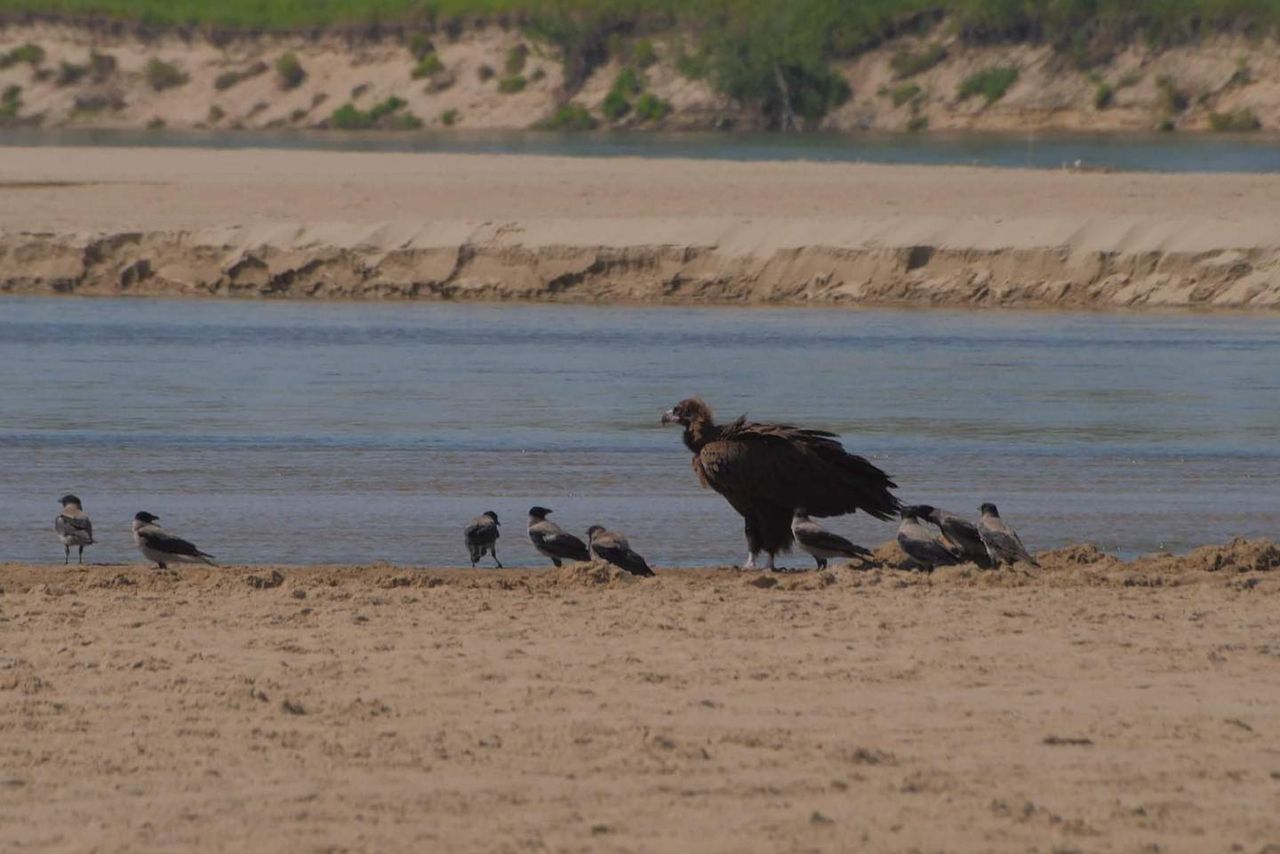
(1002,542)
(614,548)
(960,533)
(821,543)
(920,545)
(552,540)
(73,527)
(482,536)
(158,545)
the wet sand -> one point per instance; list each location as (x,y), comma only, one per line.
(345,225)
(1088,706)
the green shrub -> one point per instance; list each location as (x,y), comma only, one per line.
(289,71)
(351,117)
(615,105)
(428,66)
(643,54)
(227,79)
(31,54)
(539,74)
(1242,120)
(1243,75)
(991,83)
(420,45)
(162,75)
(70,74)
(629,82)
(101,65)
(156,123)
(1169,96)
(10,102)
(908,92)
(485,73)
(298,115)
(387,107)
(1166,125)
(907,63)
(402,121)
(1103,96)
(651,108)
(917,123)
(569,117)
(216,114)
(694,66)
(516,58)
(449,117)
(511,85)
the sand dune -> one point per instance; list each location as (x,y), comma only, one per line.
(305,224)
(1091,706)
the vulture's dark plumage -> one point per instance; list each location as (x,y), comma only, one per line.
(482,536)
(766,471)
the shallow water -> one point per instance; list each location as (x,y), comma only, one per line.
(1127,152)
(311,433)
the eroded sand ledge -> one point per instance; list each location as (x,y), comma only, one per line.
(412,226)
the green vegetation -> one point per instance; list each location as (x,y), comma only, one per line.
(906,93)
(428,66)
(70,74)
(917,123)
(1239,121)
(216,114)
(643,54)
(227,79)
(906,63)
(484,73)
(1242,76)
(516,58)
(420,44)
(617,103)
(10,103)
(991,83)
(1126,81)
(289,71)
(449,117)
(31,54)
(511,85)
(1171,97)
(163,75)
(1103,96)
(384,114)
(651,108)
(569,117)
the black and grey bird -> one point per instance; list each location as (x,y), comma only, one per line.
(920,544)
(614,548)
(821,543)
(158,545)
(73,527)
(961,534)
(1002,542)
(552,540)
(482,536)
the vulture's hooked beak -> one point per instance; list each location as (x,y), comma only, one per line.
(670,417)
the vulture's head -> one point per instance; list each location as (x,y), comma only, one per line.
(692,410)
(539,512)
(989,509)
(146,518)
(593,531)
(69,499)
(491,515)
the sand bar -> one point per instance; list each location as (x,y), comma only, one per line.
(255,223)
(1093,706)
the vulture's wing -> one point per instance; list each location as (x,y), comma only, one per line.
(792,467)
(169,544)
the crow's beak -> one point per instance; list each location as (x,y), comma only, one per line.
(670,417)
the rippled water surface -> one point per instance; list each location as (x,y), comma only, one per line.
(352,432)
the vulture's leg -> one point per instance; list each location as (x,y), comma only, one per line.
(753,542)
(768,564)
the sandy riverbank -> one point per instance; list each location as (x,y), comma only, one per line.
(307,224)
(1091,706)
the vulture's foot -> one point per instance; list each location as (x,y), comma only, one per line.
(750,562)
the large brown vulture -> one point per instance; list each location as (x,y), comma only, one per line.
(766,471)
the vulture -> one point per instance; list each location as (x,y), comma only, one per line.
(614,548)
(766,471)
(960,533)
(552,540)
(482,536)
(821,543)
(1002,542)
(158,545)
(921,545)
(73,527)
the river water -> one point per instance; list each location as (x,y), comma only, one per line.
(313,433)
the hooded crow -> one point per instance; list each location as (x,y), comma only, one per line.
(961,534)
(920,545)
(614,548)
(821,543)
(482,536)
(766,471)
(1002,542)
(552,540)
(158,545)
(73,527)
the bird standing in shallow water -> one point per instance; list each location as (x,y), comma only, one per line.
(73,527)
(765,471)
(821,543)
(482,536)
(920,544)
(158,545)
(1002,542)
(552,540)
(614,548)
